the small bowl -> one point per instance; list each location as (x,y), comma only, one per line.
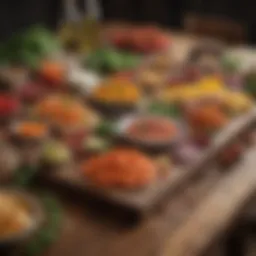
(36,214)
(160,146)
(113,110)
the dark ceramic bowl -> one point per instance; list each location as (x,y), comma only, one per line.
(112,110)
(149,146)
(9,243)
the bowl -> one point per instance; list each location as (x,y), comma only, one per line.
(36,213)
(151,146)
(113,110)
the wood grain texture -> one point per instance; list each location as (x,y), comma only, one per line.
(217,211)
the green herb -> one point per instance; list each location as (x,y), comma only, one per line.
(107,60)
(230,64)
(105,129)
(24,176)
(51,230)
(97,144)
(49,233)
(250,84)
(160,108)
(29,47)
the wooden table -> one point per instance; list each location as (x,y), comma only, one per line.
(185,225)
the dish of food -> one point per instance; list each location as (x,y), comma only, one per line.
(112,169)
(20,216)
(110,60)
(151,133)
(209,87)
(56,153)
(117,91)
(66,113)
(14,217)
(154,129)
(30,130)
(139,39)
(52,72)
(205,120)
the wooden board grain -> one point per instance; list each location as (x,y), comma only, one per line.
(217,211)
(143,200)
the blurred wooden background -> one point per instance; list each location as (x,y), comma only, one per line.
(233,20)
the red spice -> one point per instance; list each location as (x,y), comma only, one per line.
(53,72)
(113,169)
(152,129)
(210,118)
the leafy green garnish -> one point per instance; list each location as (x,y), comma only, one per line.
(50,231)
(250,84)
(24,176)
(230,64)
(160,108)
(29,47)
(106,60)
(106,129)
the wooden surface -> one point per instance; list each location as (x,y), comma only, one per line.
(217,211)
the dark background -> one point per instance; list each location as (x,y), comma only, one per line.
(18,14)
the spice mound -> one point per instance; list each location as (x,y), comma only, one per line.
(207,118)
(66,112)
(117,91)
(114,169)
(154,129)
(14,216)
(31,130)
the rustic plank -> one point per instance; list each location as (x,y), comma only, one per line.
(217,211)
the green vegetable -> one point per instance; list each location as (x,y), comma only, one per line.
(39,40)
(30,47)
(51,230)
(159,108)
(56,152)
(97,144)
(130,61)
(250,84)
(111,60)
(24,175)
(230,64)
(105,129)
